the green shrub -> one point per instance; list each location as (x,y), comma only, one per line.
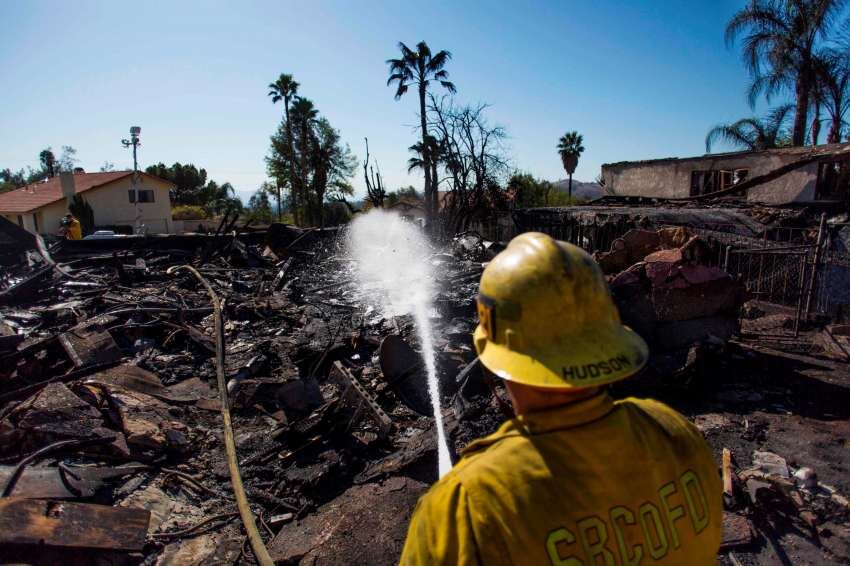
(189,212)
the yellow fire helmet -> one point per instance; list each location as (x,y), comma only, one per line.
(546,318)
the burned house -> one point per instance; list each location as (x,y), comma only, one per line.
(775,176)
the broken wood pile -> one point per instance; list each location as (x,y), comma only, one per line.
(109,411)
(770,498)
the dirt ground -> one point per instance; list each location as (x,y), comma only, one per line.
(794,405)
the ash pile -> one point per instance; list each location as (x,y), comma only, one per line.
(112,438)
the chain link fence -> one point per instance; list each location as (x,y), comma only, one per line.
(777,267)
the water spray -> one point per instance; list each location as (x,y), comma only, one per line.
(396,278)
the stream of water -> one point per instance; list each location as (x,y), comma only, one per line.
(395,277)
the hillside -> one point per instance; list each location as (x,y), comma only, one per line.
(582,189)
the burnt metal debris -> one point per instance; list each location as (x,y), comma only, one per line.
(111,366)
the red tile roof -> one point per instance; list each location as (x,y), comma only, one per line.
(35,196)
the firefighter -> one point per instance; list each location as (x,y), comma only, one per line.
(575,478)
(70,228)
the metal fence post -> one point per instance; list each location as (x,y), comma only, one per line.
(815,264)
(800,294)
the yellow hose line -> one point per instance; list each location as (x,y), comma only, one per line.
(245,512)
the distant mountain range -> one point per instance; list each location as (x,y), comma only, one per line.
(581,189)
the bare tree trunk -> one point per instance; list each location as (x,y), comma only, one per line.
(570,187)
(279,209)
(834,134)
(305,189)
(426,158)
(801,91)
(374,183)
(435,192)
(293,183)
(816,125)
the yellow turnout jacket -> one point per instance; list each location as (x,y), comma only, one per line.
(597,482)
(74,230)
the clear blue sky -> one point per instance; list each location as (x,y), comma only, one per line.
(638,79)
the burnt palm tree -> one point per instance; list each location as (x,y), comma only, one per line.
(752,134)
(817,98)
(418,159)
(779,48)
(834,83)
(285,89)
(436,155)
(570,148)
(418,68)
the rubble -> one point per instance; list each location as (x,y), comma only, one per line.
(666,288)
(835,341)
(109,391)
(362,526)
(109,397)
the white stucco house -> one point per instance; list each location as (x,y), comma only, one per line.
(39,207)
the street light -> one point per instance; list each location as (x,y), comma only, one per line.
(135,143)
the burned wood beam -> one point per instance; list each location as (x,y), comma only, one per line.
(72,525)
(90,349)
(278,280)
(351,387)
(25,286)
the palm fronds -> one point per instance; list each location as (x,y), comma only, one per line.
(752,134)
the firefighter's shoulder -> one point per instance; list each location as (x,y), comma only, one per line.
(665,420)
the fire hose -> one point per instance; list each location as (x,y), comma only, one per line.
(257,545)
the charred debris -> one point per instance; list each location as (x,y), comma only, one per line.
(111,420)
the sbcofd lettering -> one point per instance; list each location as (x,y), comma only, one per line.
(659,524)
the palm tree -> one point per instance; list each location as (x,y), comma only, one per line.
(834,83)
(818,96)
(418,68)
(780,48)
(418,159)
(570,148)
(304,115)
(752,134)
(285,89)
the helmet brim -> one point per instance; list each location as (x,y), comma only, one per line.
(603,356)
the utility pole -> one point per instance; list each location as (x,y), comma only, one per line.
(135,143)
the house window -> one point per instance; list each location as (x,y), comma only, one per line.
(145,195)
(833,180)
(20,221)
(705,182)
(35,221)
